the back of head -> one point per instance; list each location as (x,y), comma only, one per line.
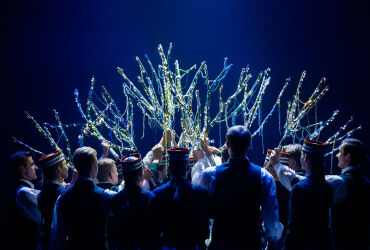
(106,166)
(356,149)
(83,160)
(238,138)
(178,161)
(16,160)
(315,151)
(49,164)
(294,151)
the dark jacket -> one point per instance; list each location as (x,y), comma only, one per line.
(180,211)
(351,218)
(84,208)
(131,224)
(236,205)
(308,227)
(46,202)
(108,185)
(25,222)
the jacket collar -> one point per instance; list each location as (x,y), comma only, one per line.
(27,182)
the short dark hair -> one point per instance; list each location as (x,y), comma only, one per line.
(83,159)
(50,173)
(132,176)
(239,139)
(18,159)
(295,153)
(225,153)
(356,149)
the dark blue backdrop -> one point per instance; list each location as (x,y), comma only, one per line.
(50,48)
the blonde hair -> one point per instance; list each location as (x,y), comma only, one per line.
(106,165)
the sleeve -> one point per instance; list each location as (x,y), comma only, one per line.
(214,160)
(269,208)
(58,235)
(340,188)
(205,179)
(27,203)
(285,175)
(148,159)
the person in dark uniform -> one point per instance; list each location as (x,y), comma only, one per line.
(54,169)
(107,174)
(131,224)
(351,217)
(25,217)
(179,209)
(81,211)
(310,201)
(243,196)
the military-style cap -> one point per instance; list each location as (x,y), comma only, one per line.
(131,162)
(313,147)
(284,159)
(178,154)
(51,159)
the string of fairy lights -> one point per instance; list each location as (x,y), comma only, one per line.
(165,93)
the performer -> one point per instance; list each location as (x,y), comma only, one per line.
(243,196)
(25,216)
(80,212)
(351,218)
(180,209)
(310,201)
(131,225)
(290,156)
(54,169)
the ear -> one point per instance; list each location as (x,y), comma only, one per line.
(305,158)
(292,162)
(227,145)
(22,169)
(347,157)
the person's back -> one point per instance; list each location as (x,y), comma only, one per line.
(46,203)
(310,202)
(84,212)
(81,211)
(243,196)
(309,215)
(181,210)
(237,201)
(131,225)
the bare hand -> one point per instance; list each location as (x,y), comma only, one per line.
(204,142)
(147,174)
(158,151)
(275,157)
(105,147)
(214,150)
(198,154)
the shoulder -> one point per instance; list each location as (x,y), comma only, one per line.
(161,189)
(266,177)
(146,193)
(26,191)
